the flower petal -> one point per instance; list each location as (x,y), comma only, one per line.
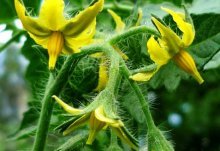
(29,23)
(100,115)
(52,15)
(123,55)
(40,40)
(95,127)
(120,25)
(186,28)
(103,75)
(143,76)
(84,38)
(172,40)
(83,20)
(77,123)
(157,54)
(66,107)
(124,135)
(140,16)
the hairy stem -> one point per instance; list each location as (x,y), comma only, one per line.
(53,88)
(133,31)
(144,104)
(113,70)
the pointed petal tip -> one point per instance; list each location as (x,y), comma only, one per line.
(66,132)
(52,62)
(92,134)
(54,96)
(198,78)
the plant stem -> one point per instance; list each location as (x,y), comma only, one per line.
(148,68)
(133,31)
(117,6)
(53,88)
(113,70)
(144,104)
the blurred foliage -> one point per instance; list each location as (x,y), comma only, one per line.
(171,91)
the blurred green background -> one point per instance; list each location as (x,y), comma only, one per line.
(189,112)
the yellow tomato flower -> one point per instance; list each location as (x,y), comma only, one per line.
(171,46)
(98,120)
(56,33)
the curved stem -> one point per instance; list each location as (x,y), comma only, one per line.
(53,88)
(117,6)
(144,104)
(114,69)
(132,31)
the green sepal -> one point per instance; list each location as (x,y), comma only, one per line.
(75,142)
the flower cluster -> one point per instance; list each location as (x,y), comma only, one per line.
(61,35)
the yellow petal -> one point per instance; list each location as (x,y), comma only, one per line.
(91,138)
(140,16)
(172,41)
(186,28)
(120,25)
(52,15)
(143,76)
(123,55)
(103,75)
(29,23)
(83,20)
(95,127)
(66,107)
(157,54)
(184,60)
(84,38)
(76,124)
(55,46)
(100,115)
(122,135)
(40,40)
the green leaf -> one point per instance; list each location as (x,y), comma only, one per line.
(7,11)
(169,76)
(24,133)
(204,6)
(214,62)
(207,40)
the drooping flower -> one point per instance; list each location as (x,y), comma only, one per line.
(98,119)
(171,47)
(54,32)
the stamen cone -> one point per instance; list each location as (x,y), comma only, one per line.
(55,46)
(185,61)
